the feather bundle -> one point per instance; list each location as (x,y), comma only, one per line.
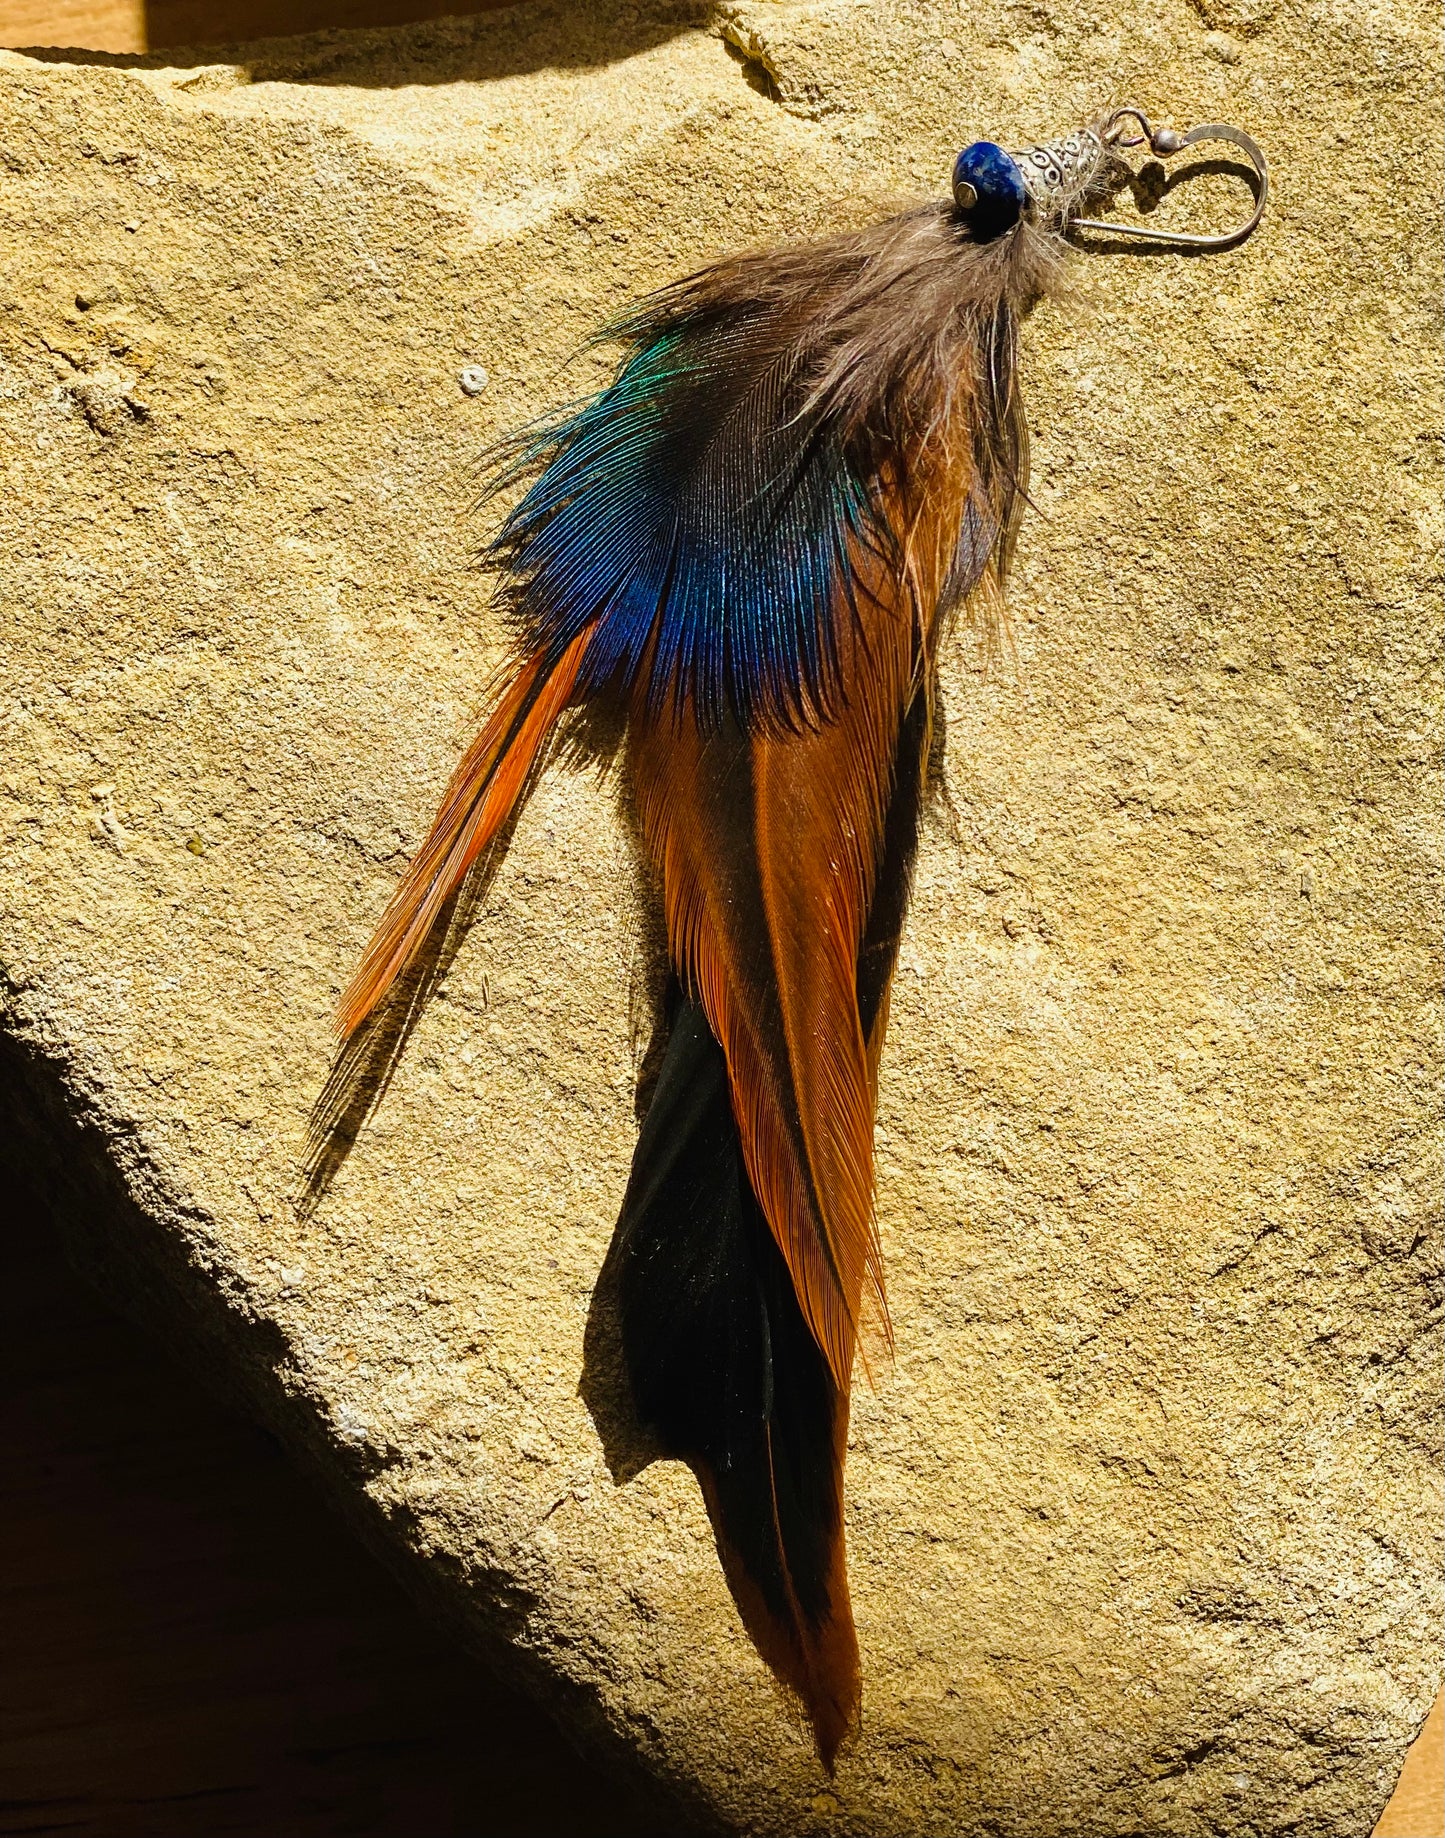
(747,547)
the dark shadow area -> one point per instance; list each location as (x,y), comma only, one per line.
(756,74)
(194,1646)
(213,22)
(627,1446)
(382,46)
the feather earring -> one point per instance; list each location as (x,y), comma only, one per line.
(748,547)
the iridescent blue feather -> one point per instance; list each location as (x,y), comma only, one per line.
(703,515)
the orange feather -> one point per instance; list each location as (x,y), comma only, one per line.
(482,794)
(767,845)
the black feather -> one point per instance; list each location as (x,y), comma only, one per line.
(724,1371)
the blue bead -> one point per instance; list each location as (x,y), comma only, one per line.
(999,192)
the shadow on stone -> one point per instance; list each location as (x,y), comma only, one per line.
(1149,187)
(566,35)
(79,1164)
(69,1155)
(627,1446)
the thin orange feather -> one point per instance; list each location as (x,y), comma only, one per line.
(481,796)
(768,848)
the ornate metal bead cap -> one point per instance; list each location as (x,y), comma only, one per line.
(1059,171)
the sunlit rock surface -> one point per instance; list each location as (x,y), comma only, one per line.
(1141,1518)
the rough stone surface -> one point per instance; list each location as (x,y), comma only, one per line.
(1142,1518)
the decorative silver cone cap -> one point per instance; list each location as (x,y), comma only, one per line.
(1058,172)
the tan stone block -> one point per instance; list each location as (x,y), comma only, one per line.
(1141,1519)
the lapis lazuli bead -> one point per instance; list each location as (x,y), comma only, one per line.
(999,195)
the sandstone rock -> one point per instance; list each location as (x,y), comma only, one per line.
(1141,1523)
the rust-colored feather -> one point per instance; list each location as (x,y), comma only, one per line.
(767,845)
(482,794)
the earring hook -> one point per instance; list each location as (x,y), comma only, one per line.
(1163,142)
